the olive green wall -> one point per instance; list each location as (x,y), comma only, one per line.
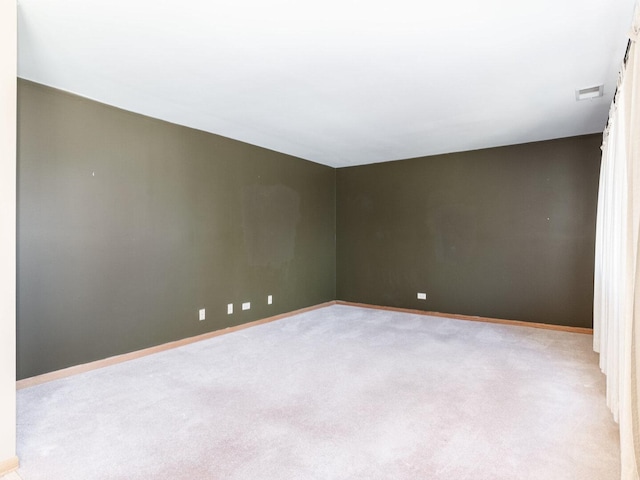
(504,232)
(128,225)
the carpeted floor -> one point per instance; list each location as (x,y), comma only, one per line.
(336,393)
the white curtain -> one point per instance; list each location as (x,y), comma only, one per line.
(617,263)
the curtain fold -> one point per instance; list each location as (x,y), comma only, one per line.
(616,308)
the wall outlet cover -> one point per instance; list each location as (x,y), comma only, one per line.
(422,296)
(201,314)
(229,308)
(269,299)
(246,305)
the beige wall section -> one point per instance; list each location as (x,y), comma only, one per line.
(8,36)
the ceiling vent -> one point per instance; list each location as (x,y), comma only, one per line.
(589,93)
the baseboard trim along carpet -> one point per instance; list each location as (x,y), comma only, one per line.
(67,372)
(85,367)
(8,466)
(520,323)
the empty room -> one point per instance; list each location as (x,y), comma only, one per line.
(319,240)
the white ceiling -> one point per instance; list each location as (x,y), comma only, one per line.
(338,82)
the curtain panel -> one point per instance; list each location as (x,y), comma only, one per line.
(616,309)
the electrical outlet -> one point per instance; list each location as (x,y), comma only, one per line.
(422,296)
(269,299)
(246,305)
(229,308)
(201,314)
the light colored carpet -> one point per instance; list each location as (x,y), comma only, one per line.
(337,393)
